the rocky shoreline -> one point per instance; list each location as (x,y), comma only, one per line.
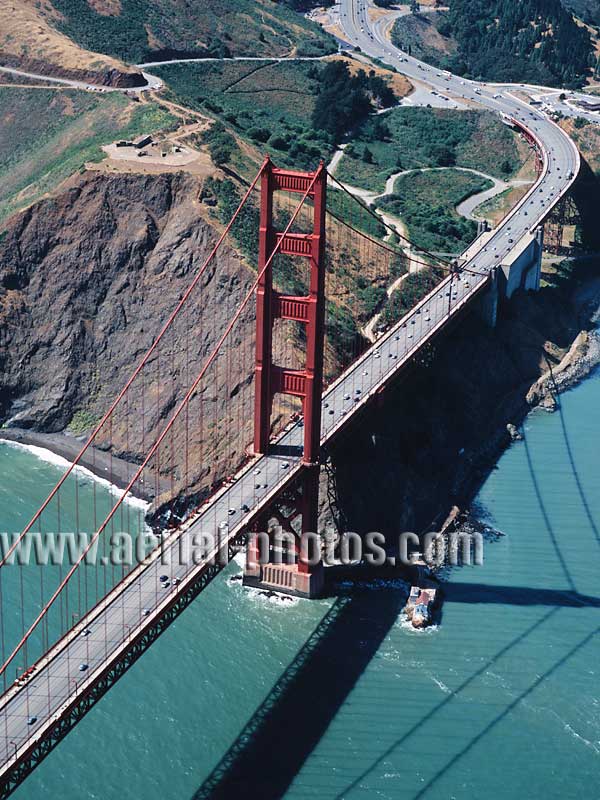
(115,470)
(581,359)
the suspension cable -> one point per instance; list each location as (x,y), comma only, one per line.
(181,406)
(137,370)
(384,245)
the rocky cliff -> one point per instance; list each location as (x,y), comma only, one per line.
(87,280)
(116,77)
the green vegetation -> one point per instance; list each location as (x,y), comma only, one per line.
(426,202)
(344,100)
(147,30)
(534,41)
(82,422)
(347,209)
(267,103)
(409,138)
(284,108)
(46,136)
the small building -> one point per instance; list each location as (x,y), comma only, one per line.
(142,141)
(589,104)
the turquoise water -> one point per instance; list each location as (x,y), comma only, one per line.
(502,700)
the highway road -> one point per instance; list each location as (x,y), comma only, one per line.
(561,157)
(561,154)
(98,641)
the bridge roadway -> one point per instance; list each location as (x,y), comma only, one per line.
(133,612)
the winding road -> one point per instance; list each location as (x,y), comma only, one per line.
(561,158)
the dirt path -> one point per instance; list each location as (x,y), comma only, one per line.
(466,209)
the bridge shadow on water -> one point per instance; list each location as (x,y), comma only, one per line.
(284,730)
(287,726)
(516,595)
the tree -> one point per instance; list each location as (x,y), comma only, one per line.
(442,155)
(259,134)
(220,153)
(341,102)
(367,156)
(537,41)
(381,132)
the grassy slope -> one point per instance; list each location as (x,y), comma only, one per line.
(266,104)
(426,202)
(259,102)
(144,27)
(478,140)
(47,135)
(29,37)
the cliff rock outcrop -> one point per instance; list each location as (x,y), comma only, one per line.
(87,279)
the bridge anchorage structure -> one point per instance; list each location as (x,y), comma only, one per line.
(295,513)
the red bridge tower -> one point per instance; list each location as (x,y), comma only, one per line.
(306,383)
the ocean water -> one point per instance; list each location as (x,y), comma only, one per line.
(340,698)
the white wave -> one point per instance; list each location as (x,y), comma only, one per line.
(58,461)
(266,596)
(258,595)
(595,746)
(445,689)
(406,625)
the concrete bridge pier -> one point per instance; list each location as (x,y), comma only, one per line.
(522,267)
(284,552)
(482,227)
(487,305)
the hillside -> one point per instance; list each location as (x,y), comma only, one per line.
(140,30)
(536,41)
(295,110)
(413,138)
(30,39)
(426,202)
(47,134)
